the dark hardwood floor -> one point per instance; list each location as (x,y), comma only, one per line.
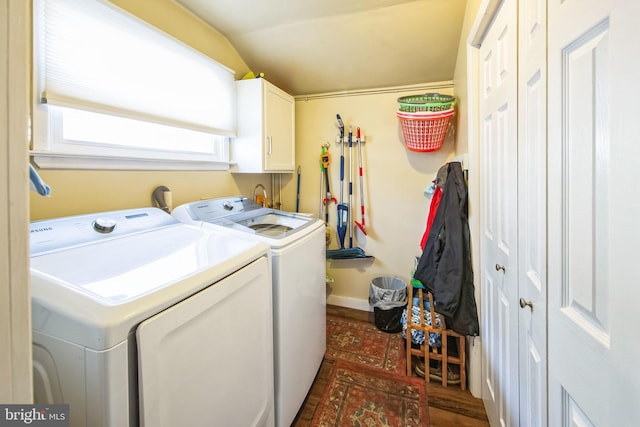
(448,406)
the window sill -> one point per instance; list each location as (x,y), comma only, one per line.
(50,160)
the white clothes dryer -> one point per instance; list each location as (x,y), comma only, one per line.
(140,320)
(298,249)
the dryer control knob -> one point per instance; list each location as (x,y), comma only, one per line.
(104,225)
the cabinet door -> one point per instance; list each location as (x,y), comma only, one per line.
(279,148)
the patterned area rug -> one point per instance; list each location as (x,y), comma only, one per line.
(364,344)
(361,396)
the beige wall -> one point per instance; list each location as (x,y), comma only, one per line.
(461,75)
(77,192)
(396,209)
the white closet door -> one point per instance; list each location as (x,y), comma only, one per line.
(624,208)
(498,195)
(580,257)
(208,361)
(532,213)
(594,206)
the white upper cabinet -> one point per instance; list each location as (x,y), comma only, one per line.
(265,141)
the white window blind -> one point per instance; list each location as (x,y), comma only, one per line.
(96,57)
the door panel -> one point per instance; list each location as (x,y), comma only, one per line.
(624,211)
(532,285)
(579,147)
(498,187)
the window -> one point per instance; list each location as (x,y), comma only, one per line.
(112,92)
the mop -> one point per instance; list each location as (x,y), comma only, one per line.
(350,184)
(343,209)
(360,225)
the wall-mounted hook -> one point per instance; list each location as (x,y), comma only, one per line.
(161,196)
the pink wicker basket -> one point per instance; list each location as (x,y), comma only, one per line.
(425,131)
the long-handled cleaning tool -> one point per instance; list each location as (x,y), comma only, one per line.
(350,184)
(343,209)
(320,207)
(298,190)
(361,224)
(325,159)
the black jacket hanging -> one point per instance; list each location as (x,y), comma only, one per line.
(445,265)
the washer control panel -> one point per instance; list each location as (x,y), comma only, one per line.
(62,233)
(215,209)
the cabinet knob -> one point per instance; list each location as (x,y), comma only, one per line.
(501,267)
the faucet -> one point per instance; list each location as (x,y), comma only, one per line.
(260,199)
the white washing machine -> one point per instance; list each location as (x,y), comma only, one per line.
(298,249)
(140,320)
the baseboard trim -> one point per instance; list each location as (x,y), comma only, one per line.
(348,302)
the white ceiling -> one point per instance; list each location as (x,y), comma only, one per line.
(319,46)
